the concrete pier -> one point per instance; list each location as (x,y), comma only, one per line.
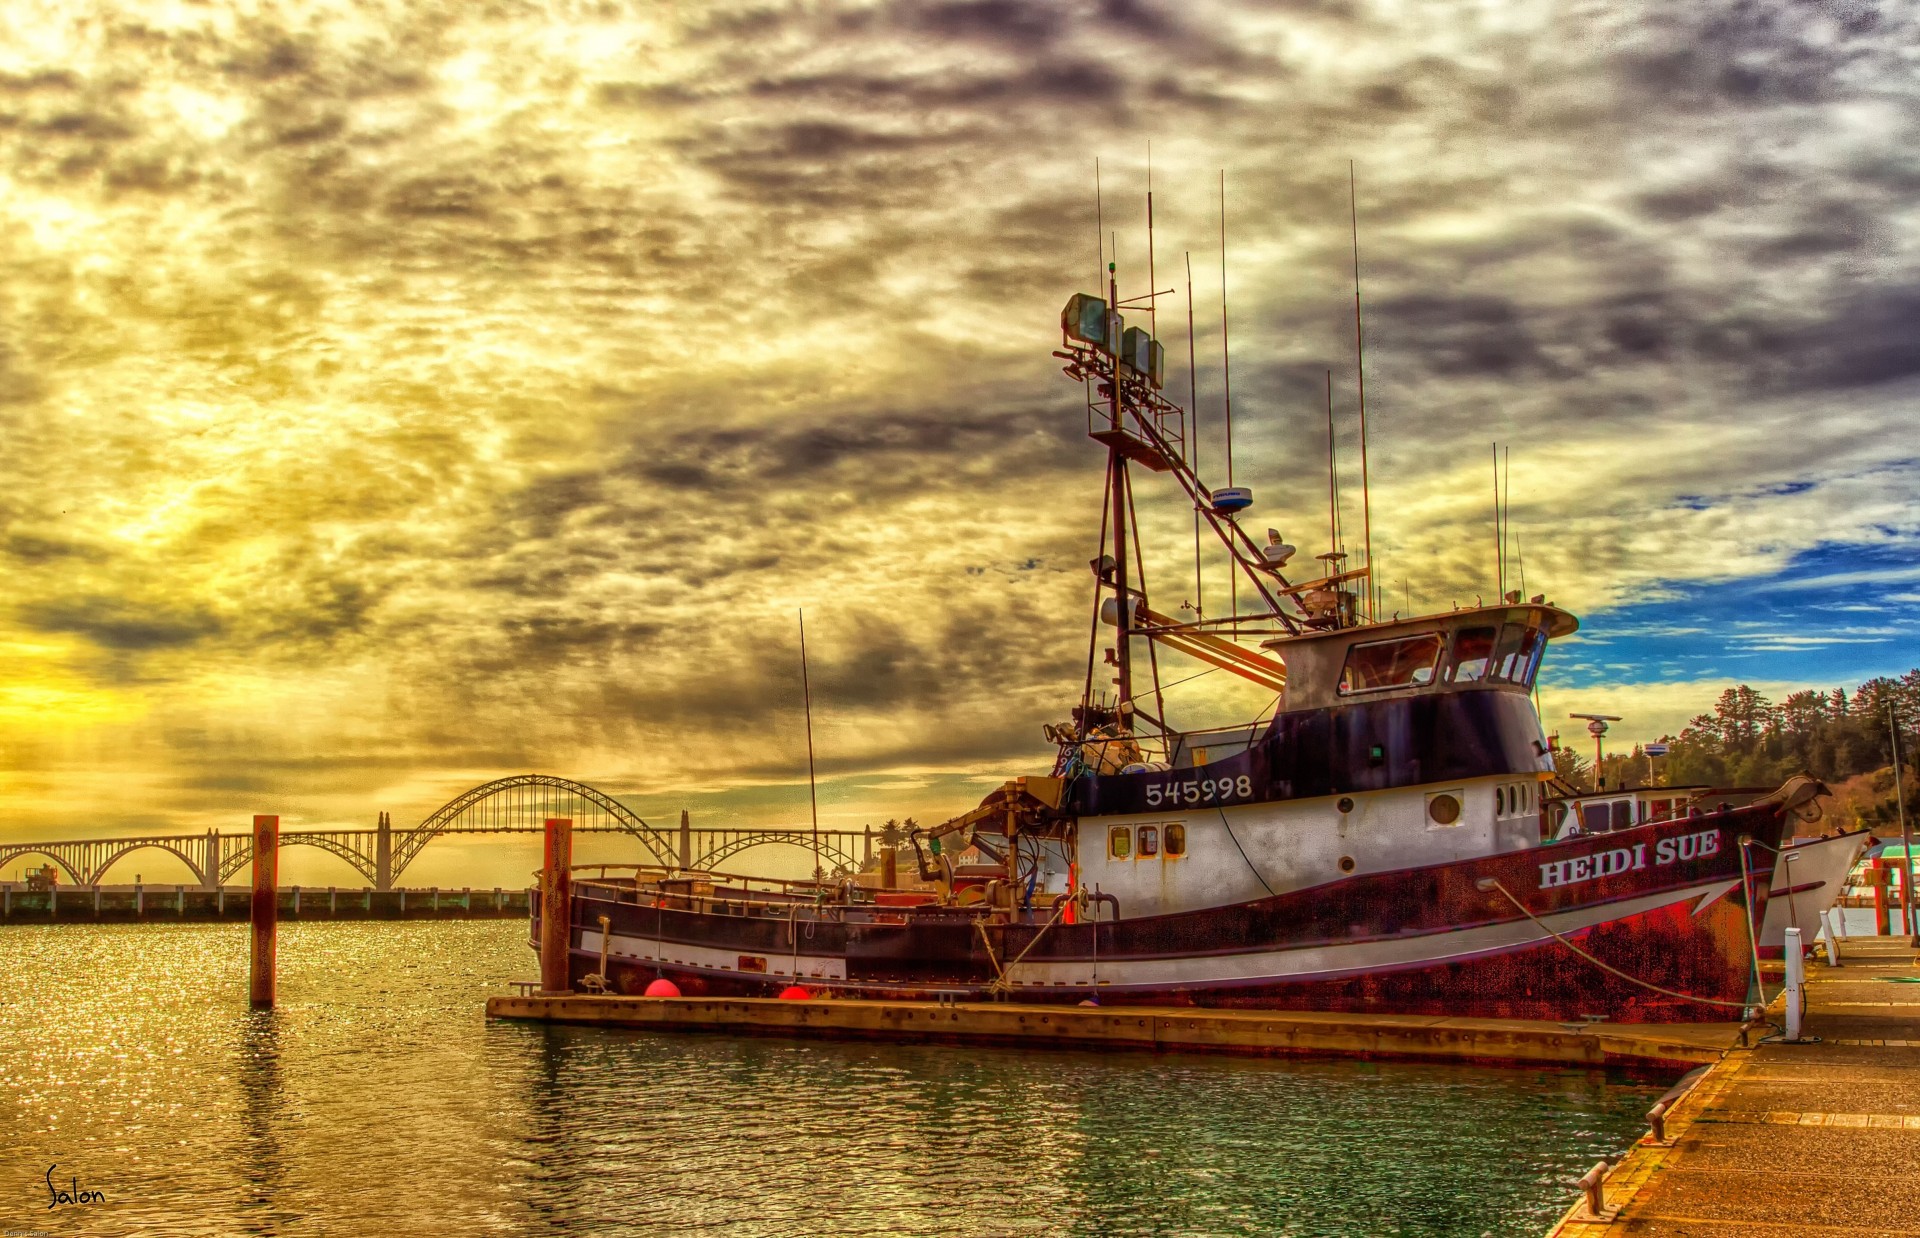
(1816,1139)
(1506,1041)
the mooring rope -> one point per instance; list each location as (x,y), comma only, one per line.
(1000,982)
(1494,884)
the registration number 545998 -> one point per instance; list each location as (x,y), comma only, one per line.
(1201,791)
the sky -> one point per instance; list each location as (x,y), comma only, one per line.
(398,396)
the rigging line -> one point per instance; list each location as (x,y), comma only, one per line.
(1190,678)
(813,798)
(1493,883)
(1093,636)
(1520,561)
(1360,368)
(1153,657)
(1193,450)
(1242,850)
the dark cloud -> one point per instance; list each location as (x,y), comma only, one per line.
(121,624)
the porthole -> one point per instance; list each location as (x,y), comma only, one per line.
(1119,842)
(1346,863)
(1345,804)
(1500,801)
(1444,809)
(1149,842)
(1176,840)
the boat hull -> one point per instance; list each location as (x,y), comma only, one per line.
(1609,922)
(1806,887)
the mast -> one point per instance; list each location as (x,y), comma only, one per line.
(813,795)
(1360,370)
(1123,640)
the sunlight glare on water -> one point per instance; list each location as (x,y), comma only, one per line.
(377,1099)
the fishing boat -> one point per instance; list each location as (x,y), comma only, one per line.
(1375,840)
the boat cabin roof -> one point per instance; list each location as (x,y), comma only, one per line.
(1478,648)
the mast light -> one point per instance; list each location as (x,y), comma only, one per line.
(1088,320)
(1143,354)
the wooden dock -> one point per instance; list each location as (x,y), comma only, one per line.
(1813,1140)
(1503,1041)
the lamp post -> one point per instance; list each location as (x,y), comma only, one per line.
(1597,727)
(1906,832)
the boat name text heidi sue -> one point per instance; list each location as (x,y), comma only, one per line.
(1626,859)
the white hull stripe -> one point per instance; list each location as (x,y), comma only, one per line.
(649,950)
(1328,962)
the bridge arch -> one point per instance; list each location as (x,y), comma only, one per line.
(238,858)
(843,860)
(9,854)
(505,801)
(114,857)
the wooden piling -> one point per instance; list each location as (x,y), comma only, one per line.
(266,906)
(556,889)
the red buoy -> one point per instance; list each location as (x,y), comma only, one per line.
(663,987)
(794,993)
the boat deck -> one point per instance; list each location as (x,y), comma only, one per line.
(1150,1028)
(1791,1139)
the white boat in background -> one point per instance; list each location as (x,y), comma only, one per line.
(1806,883)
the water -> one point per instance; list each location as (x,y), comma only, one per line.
(376,1099)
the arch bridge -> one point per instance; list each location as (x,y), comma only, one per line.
(520,804)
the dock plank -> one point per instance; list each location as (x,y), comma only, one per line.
(1811,1139)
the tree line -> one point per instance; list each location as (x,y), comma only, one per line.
(1747,740)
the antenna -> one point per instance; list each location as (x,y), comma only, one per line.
(1499,563)
(813,795)
(1193,400)
(1506,516)
(1521,561)
(1226,362)
(1153,285)
(1099,228)
(1226,372)
(1333,480)
(1360,369)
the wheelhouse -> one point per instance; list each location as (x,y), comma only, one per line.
(1494,647)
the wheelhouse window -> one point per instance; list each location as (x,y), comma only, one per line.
(1472,650)
(1518,655)
(1176,840)
(1408,662)
(1149,842)
(1119,842)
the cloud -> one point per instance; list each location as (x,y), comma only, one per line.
(399,397)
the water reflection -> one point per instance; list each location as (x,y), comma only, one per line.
(376,1099)
(262,1104)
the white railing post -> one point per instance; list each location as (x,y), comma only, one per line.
(1796,984)
(1835,920)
